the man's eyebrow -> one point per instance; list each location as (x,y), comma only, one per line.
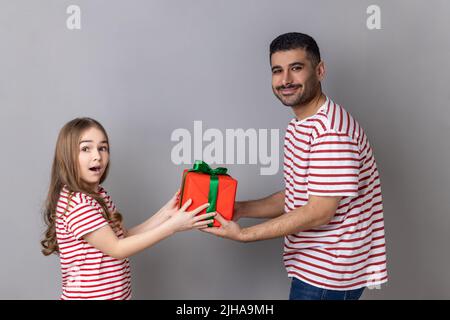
(104,141)
(276,67)
(297,63)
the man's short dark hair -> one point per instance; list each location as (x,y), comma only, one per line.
(296,40)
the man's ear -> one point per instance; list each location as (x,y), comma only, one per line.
(320,70)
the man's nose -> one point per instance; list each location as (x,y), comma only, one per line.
(287,79)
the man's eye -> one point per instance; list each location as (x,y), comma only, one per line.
(296,68)
(276,71)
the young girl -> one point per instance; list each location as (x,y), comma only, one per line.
(83,226)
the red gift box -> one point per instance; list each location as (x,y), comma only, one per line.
(196,186)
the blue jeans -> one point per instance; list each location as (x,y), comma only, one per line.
(303,291)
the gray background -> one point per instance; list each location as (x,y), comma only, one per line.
(145,68)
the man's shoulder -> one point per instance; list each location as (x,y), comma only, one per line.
(335,119)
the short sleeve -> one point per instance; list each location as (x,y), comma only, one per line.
(334,165)
(83,219)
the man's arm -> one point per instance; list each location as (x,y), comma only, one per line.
(317,212)
(268,207)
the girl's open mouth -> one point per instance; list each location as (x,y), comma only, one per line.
(95,169)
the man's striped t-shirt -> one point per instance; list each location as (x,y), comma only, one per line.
(328,154)
(88,273)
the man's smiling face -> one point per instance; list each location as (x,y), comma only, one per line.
(295,80)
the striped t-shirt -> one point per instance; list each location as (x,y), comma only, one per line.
(88,273)
(328,154)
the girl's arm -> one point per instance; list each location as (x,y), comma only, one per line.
(156,219)
(105,240)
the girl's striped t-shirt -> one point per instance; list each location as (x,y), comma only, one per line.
(88,273)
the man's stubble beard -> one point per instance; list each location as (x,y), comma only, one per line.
(302,98)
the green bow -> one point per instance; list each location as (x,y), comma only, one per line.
(203,167)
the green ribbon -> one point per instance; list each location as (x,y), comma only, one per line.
(203,167)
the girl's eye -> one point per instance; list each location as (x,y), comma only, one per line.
(104,149)
(85,149)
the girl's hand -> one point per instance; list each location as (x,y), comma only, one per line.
(182,220)
(170,207)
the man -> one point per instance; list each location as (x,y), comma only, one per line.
(331,212)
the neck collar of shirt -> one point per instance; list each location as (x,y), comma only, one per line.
(322,108)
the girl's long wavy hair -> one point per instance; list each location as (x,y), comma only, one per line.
(66,172)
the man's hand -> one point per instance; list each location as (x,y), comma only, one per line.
(228,229)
